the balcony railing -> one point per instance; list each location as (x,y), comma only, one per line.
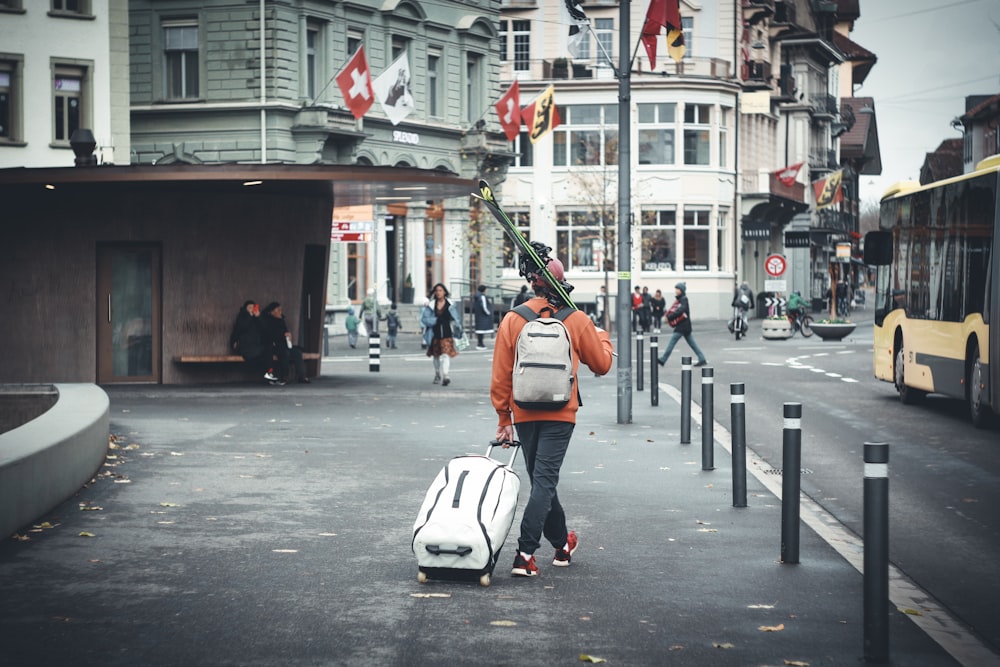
(836,221)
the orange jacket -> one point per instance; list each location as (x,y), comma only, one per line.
(591,345)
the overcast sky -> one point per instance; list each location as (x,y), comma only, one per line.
(931,55)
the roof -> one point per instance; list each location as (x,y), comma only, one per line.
(946,161)
(983,109)
(862,58)
(860,142)
(350,185)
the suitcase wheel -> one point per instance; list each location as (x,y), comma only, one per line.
(485,580)
(422,577)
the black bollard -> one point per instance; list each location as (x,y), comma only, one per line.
(707,419)
(876,545)
(685,400)
(738,421)
(791,463)
(654,371)
(638,361)
(374,353)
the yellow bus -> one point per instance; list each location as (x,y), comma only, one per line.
(937,259)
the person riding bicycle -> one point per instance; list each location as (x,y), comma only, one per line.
(743,302)
(796,306)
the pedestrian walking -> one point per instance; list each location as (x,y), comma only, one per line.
(544,433)
(658,306)
(441,325)
(351,324)
(391,326)
(483,310)
(679,317)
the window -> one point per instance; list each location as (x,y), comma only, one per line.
(721,239)
(696,240)
(697,133)
(521,32)
(659,240)
(399,45)
(315,56)
(723,136)
(521,148)
(504,27)
(354,40)
(433,82)
(70,85)
(522,219)
(10,5)
(180,60)
(656,133)
(473,87)
(70,7)
(687,27)
(604,30)
(587,137)
(10,98)
(583,240)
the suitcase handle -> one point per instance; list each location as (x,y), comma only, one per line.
(437,551)
(513,444)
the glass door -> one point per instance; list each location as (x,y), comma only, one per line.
(128,314)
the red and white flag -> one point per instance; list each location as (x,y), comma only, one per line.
(355,83)
(828,190)
(509,111)
(663,14)
(541,116)
(788,174)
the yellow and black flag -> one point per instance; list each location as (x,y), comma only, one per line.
(541,116)
(828,190)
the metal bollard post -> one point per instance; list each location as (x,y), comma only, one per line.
(707,419)
(876,545)
(685,400)
(738,420)
(638,361)
(326,342)
(654,371)
(374,353)
(791,464)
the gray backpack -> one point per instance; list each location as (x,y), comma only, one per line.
(543,361)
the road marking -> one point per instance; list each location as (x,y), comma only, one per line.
(949,633)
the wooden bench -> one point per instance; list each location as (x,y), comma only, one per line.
(226,358)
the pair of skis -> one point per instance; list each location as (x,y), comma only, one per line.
(509,228)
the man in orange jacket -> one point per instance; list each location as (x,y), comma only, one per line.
(544,434)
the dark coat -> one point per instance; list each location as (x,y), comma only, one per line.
(247,337)
(483,309)
(274,330)
(683,326)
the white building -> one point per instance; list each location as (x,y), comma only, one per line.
(63,66)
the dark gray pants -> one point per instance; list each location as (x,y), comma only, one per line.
(544,446)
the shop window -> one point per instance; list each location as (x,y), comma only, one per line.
(659,240)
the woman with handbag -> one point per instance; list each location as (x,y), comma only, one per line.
(679,317)
(441,321)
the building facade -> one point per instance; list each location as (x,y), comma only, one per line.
(223,81)
(63,67)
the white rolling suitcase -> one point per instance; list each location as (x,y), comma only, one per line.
(465,518)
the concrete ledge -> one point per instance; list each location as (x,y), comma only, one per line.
(48,459)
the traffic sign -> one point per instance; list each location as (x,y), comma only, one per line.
(350,237)
(775,265)
(772,301)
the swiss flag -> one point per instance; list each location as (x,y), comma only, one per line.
(788,174)
(355,83)
(509,111)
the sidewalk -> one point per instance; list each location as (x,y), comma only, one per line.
(253,525)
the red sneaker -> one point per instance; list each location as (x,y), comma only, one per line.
(524,568)
(564,556)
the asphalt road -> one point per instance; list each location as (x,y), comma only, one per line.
(252,525)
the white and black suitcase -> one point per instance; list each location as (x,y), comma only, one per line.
(465,518)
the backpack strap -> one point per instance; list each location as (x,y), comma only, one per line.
(525,312)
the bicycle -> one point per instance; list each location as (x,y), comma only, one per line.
(738,325)
(801,323)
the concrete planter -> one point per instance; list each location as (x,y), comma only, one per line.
(776,329)
(833,331)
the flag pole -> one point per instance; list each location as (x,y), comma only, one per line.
(624,323)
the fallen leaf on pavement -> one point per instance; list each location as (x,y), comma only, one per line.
(591,658)
(911,612)
(177,453)
(725,645)
(21,538)
(84,533)
(169,505)
(760,606)
(504,624)
(430,595)
(772,628)
(285,551)
(796,663)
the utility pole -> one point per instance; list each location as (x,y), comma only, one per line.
(624,322)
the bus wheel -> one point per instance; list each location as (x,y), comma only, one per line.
(978,409)
(907,395)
